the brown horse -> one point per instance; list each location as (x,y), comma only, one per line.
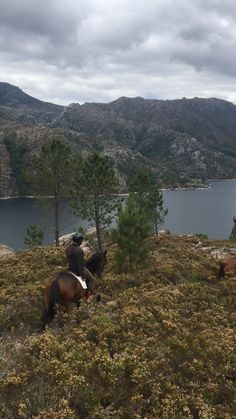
(64,288)
(226,266)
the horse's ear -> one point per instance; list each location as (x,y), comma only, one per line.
(105,253)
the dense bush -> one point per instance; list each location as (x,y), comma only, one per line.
(160,344)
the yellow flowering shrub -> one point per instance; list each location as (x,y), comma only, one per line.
(160,344)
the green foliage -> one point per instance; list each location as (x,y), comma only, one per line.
(19,154)
(34,236)
(52,174)
(202,236)
(92,193)
(130,234)
(140,186)
(53,167)
(0,179)
(155,207)
(148,199)
(233,232)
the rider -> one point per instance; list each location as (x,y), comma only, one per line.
(75,259)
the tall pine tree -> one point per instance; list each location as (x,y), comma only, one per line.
(148,198)
(156,210)
(52,174)
(233,231)
(140,186)
(92,198)
(130,234)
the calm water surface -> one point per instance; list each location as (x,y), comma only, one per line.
(209,211)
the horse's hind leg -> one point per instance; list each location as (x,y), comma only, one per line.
(78,303)
(46,318)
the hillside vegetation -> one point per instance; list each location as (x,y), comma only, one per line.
(160,344)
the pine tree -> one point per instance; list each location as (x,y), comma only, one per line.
(233,232)
(92,193)
(130,234)
(155,207)
(52,174)
(0,179)
(140,186)
(34,236)
(148,198)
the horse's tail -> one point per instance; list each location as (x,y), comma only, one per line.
(54,298)
(221,273)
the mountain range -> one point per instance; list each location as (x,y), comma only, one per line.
(182,142)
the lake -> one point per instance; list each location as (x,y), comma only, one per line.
(208,211)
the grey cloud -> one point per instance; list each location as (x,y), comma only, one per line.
(91,49)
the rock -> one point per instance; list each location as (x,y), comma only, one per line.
(87,249)
(91,231)
(219,253)
(6,251)
(162,233)
(67,238)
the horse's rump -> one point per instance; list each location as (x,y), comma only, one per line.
(226,266)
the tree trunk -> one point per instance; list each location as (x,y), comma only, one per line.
(98,227)
(56,218)
(156,227)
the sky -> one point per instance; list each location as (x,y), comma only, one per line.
(66,51)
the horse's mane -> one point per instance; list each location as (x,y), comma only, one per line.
(95,258)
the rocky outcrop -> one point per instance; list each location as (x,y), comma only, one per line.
(219,253)
(6,252)
(67,238)
(180,139)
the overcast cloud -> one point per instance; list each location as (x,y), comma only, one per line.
(66,51)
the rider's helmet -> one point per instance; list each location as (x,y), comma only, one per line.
(77,238)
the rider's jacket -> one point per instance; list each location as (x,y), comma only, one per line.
(75,259)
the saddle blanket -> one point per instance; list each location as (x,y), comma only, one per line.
(82,282)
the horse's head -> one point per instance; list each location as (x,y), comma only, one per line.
(103,260)
(95,264)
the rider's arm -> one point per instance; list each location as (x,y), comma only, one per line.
(80,262)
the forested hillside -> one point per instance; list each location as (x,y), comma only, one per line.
(182,142)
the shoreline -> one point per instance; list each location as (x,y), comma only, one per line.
(25,197)
(124,194)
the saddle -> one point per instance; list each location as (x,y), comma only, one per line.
(80,279)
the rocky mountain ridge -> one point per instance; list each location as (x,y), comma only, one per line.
(183,141)
(17,106)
